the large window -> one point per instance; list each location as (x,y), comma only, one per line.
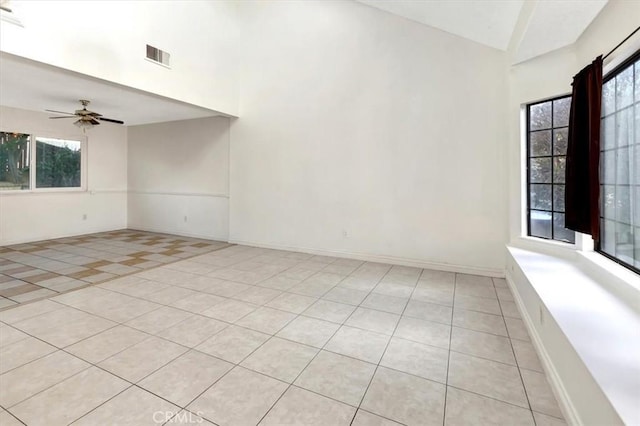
(620,165)
(546,159)
(32,162)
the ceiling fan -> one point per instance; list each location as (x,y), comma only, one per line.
(86,119)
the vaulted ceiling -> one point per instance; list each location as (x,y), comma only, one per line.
(540,26)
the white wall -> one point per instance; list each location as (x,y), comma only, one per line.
(354,120)
(30,216)
(179,177)
(107,39)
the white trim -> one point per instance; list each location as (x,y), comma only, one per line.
(57,236)
(555,382)
(488,272)
(188,194)
(176,232)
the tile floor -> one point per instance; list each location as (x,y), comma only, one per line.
(246,336)
(41,269)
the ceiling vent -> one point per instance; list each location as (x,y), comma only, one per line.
(158,56)
(7,14)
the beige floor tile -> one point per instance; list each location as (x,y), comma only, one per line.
(465,408)
(242,397)
(504,294)
(509,309)
(395,289)
(336,376)
(310,331)
(427,332)
(64,327)
(10,335)
(345,295)
(107,304)
(133,407)
(266,320)
(4,302)
(428,311)
(436,295)
(359,283)
(372,320)
(197,303)
(169,295)
(233,344)
(294,303)
(230,310)
(133,286)
(479,304)
(108,343)
(544,420)
(540,394)
(479,321)
(33,295)
(142,359)
(280,359)
(490,378)
(20,313)
(158,320)
(415,358)
(361,344)
(481,287)
(7,419)
(193,331)
(329,311)
(483,345)
(381,302)
(283,282)
(186,377)
(300,407)
(364,418)
(22,352)
(70,399)
(258,295)
(404,398)
(517,329)
(526,355)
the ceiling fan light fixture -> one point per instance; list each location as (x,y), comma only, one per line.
(84,125)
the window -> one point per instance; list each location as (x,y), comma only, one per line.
(620,165)
(547,133)
(33,162)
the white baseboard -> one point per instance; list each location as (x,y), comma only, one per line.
(559,391)
(65,235)
(176,232)
(488,272)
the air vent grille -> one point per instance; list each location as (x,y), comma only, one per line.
(159,56)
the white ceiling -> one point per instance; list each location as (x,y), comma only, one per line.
(490,22)
(552,24)
(35,86)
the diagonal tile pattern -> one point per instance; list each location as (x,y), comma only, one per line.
(247,336)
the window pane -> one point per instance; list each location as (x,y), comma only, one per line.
(624,242)
(561,109)
(558,198)
(608,201)
(637,82)
(540,116)
(559,169)
(540,224)
(608,237)
(622,165)
(58,163)
(609,97)
(608,168)
(14,161)
(540,143)
(623,204)
(559,231)
(624,88)
(608,132)
(624,127)
(560,141)
(540,171)
(540,197)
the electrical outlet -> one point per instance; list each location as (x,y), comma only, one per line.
(84,216)
(185,219)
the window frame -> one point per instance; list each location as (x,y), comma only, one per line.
(527,168)
(33,135)
(597,246)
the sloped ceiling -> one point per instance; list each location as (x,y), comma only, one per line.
(549,24)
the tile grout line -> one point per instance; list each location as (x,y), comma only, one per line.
(446,386)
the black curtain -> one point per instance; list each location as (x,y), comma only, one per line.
(582,196)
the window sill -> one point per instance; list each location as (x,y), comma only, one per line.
(596,305)
(16,192)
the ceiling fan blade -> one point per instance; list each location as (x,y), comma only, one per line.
(93,121)
(59,112)
(110,120)
(54,118)
(94,114)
